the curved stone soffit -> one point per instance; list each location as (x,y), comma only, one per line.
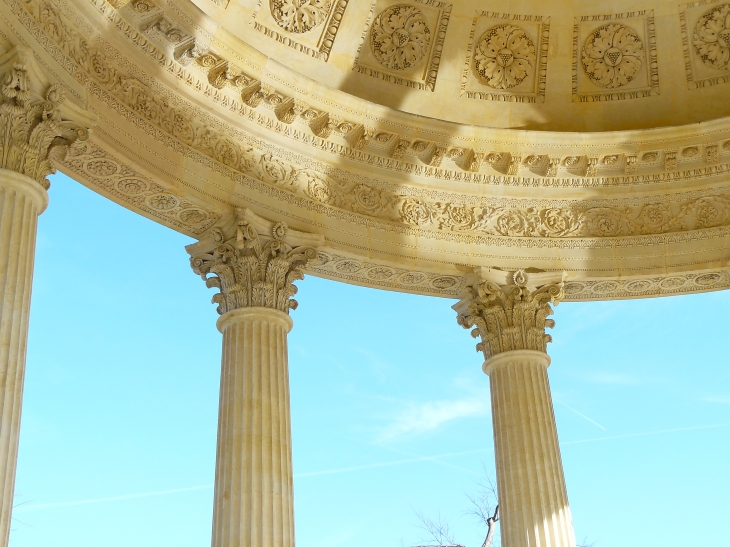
(89,163)
(332,265)
(47,15)
(648,161)
(419,211)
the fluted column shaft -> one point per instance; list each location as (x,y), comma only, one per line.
(532,494)
(254,499)
(21,201)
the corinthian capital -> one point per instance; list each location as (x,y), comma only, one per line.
(509,310)
(37,124)
(254,263)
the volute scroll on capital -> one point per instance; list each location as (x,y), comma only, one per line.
(37,124)
(254,262)
(509,310)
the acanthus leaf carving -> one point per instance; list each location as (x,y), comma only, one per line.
(250,268)
(511,315)
(34,133)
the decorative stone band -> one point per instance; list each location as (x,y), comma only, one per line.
(254,263)
(510,314)
(37,127)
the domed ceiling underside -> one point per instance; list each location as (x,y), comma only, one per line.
(419,138)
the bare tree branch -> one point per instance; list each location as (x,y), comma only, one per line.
(438,529)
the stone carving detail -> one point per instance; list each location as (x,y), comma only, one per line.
(712,37)
(612,55)
(299,16)
(252,269)
(90,163)
(646,286)
(509,317)
(400,37)
(503,56)
(33,132)
(355,270)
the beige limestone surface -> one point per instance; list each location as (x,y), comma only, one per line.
(199,114)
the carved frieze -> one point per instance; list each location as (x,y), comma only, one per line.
(614,57)
(506,60)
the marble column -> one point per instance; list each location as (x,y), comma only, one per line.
(254,265)
(510,314)
(34,131)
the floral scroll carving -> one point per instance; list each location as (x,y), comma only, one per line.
(299,16)
(400,37)
(34,133)
(509,317)
(712,37)
(504,56)
(612,55)
(253,269)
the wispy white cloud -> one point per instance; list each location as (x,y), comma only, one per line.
(420,418)
(646,433)
(38,506)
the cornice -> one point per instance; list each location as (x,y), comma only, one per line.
(291,176)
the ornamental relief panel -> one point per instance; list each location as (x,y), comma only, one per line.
(307,26)
(706,42)
(614,57)
(404,41)
(530,220)
(506,58)
(90,163)
(253,93)
(356,270)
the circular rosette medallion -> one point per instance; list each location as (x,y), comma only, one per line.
(612,55)
(299,16)
(400,37)
(504,56)
(712,37)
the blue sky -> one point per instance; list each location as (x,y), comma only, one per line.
(390,409)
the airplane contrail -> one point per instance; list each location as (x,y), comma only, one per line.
(580,414)
(645,433)
(39,506)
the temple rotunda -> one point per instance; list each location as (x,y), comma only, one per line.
(504,155)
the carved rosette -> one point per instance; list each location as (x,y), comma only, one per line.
(712,37)
(504,56)
(612,55)
(32,131)
(509,317)
(252,269)
(400,37)
(299,16)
